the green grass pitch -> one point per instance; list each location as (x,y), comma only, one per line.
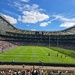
(36,54)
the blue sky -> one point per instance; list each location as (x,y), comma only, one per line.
(39,15)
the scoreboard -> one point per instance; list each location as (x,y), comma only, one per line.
(39,33)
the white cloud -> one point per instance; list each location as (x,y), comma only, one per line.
(26,7)
(31,13)
(18,6)
(44,24)
(67,24)
(33,17)
(34,6)
(25,0)
(64,19)
(10,19)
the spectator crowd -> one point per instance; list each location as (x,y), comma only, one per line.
(33,71)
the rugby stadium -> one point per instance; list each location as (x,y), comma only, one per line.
(36,47)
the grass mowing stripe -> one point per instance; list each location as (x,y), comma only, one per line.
(35,54)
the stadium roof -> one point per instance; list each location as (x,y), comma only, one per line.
(6,26)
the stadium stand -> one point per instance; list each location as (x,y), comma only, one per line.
(64,38)
(11,37)
(34,71)
(4,45)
